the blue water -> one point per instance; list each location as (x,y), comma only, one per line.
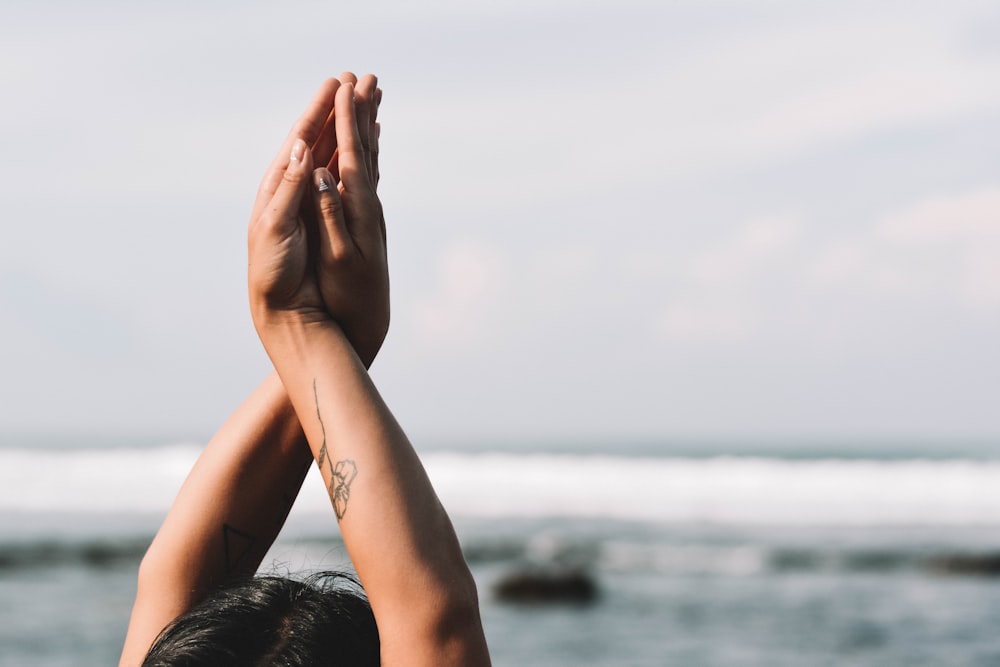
(831,583)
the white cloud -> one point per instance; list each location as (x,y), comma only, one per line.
(964,227)
(719,292)
(752,94)
(967,218)
(924,86)
(863,267)
(843,262)
(943,248)
(700,322)
(750,250)
(980,284)
(738,97)
(470,281)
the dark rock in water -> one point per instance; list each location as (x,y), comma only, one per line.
(547,586)
(984,565)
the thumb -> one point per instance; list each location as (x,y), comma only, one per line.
(334,238)
(284,205)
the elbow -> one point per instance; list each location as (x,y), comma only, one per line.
(159,577)
(455,619)
(149,569)
(150,578)
(153,568)
(462,599)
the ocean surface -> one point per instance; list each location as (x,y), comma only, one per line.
(702,554)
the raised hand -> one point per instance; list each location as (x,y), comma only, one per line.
(281,279)
(319,295)
(323,254)
(281,275)
(352,269)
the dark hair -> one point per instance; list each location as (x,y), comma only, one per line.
(274,621)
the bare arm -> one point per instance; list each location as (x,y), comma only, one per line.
(236,498)
(226,515)
(397,533)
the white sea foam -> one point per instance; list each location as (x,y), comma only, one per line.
(721,490)
(733,490)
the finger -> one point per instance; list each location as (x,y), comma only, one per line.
(308,127)
(378,133)
(376,130)
(334,239)
(364,100)
(310,124)
(326,144)
(334,165)
(353,173)
(283,208)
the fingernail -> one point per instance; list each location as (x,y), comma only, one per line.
(322,184)
(297,148)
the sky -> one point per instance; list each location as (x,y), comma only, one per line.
(640,220)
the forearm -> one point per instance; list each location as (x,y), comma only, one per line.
(397,533)
(226,515)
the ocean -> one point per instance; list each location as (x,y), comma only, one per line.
(699,555)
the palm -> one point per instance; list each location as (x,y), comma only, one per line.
(280,271)
(352,268)
(285,273)
(354,285)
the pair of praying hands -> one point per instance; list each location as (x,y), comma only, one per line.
(317,249)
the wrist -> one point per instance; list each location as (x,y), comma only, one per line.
(267,319)
(299,346)
(277,326)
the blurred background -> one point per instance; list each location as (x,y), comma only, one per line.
(698,300)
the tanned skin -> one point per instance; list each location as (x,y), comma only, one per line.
(319,295)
